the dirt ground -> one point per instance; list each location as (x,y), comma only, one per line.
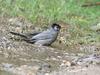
(20,58)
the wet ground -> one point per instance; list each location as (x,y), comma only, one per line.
(20,58)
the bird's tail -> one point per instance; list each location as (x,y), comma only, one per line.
(24,37)
(19,34)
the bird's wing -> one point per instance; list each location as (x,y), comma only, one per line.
(33,34)
(38,36)
(42,36)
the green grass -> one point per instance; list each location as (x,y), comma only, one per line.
(47,11)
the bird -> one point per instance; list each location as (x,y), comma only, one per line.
(44,38)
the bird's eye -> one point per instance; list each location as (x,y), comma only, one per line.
(56,28)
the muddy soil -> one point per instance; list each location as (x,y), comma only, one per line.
(20,58)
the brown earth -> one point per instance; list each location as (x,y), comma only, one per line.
(20,58)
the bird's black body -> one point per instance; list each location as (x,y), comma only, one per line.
(43,38)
